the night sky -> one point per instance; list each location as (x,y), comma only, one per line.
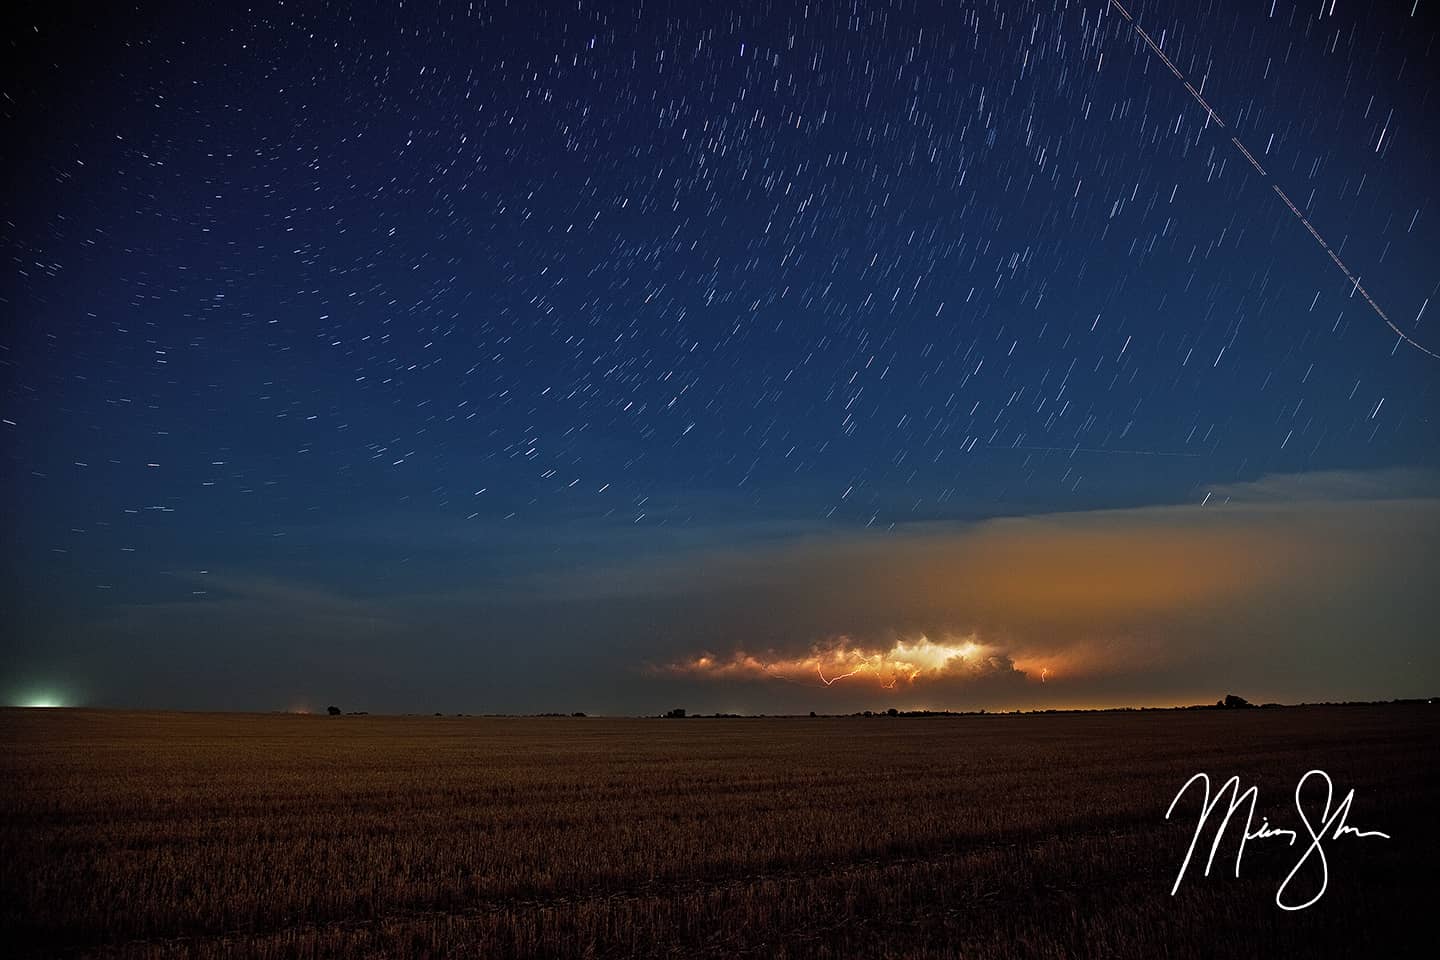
(562,356)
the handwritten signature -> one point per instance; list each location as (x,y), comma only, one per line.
(1329,825)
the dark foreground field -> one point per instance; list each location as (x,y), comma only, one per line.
(158,835)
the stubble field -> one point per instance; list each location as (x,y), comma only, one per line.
(194,835)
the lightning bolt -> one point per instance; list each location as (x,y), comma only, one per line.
(821,672)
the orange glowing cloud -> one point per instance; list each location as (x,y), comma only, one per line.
(1256,590)
(905,661)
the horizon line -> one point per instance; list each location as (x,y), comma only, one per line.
(886,712)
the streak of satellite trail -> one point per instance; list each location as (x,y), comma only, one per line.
(1210,114)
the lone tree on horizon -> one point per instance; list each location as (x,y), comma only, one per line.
(333,711)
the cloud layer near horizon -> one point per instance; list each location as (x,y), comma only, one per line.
(1307,588)
(1239,593)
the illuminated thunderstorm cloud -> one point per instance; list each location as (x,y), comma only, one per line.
(901,663)
(1283,578)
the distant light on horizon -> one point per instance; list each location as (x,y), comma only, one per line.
(46,700)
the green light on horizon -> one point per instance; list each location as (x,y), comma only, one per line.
(45,700)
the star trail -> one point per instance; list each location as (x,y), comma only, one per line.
(466,351)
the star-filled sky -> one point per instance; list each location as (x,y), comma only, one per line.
(745,357)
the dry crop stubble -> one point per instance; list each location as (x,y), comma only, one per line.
(157,835)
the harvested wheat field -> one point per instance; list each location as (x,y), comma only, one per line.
(194,835)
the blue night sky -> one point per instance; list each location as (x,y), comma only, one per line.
(475,357)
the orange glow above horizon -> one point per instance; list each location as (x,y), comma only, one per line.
(904,663)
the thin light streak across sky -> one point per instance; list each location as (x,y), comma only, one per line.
(1212,115)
